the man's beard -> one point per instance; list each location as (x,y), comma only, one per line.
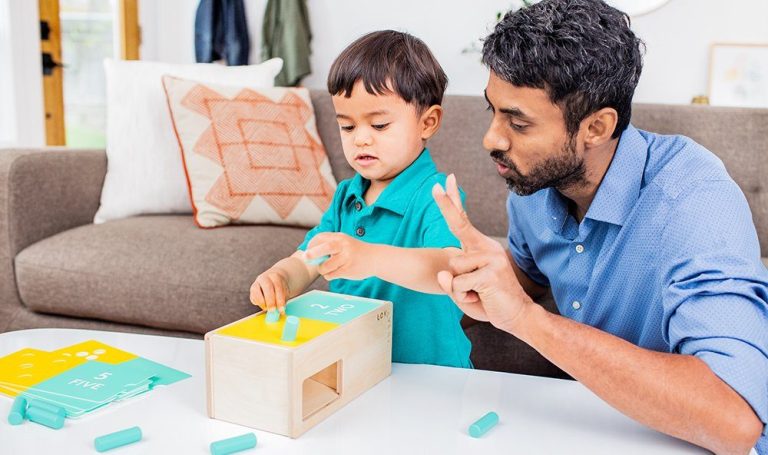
(563,171)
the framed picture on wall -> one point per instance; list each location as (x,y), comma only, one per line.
(738,75)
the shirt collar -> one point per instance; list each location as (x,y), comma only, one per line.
(620,188)
(401,189)
(617,193)
(556,209)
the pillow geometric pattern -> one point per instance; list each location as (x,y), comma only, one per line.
(265,148)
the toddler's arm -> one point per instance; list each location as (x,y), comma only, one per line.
(286,279)
(413,268)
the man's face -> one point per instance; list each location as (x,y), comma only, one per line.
(528,140)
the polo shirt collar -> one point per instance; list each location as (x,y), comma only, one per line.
(401,189)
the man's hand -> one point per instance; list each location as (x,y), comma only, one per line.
(482,281)
(349,258)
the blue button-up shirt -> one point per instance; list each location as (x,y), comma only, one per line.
(666,257)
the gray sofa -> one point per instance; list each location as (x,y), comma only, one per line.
(161,274)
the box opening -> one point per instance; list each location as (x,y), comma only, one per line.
(321,389)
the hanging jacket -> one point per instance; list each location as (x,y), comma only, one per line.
(286,34)
(221,32)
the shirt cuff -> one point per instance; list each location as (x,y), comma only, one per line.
(740,365)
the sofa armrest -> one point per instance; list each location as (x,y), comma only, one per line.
(42,192)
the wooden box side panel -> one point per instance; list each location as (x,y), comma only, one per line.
(364,347)
(249,383)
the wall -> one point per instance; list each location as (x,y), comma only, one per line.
(335,24)
(677,35)
(7,121)
(21,97)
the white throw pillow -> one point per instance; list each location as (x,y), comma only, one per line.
(145,174)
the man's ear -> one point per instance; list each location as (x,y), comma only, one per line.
(430,121)
(600,126)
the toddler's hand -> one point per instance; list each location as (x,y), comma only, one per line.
(349,257)
(270,290)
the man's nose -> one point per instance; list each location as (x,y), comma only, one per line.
(495,140)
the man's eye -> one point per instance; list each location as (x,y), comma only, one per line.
(380,126)
(518,127)
(347,127)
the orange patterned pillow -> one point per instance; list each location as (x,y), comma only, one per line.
(252,155)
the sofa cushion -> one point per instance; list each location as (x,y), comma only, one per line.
(251,154)
(158,271)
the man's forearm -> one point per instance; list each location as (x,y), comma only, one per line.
(413,268)
(672,393)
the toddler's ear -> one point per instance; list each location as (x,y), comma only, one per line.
(430,121)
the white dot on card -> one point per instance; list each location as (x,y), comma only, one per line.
(81,354)
(59,361)
(99,351)
(92,357)
(67,354)
(26,365)
(25,375)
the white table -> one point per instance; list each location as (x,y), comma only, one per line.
(419,409)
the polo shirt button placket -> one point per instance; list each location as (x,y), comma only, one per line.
(358,206)
(360,231)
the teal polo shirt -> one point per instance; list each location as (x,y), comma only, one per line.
(426,327)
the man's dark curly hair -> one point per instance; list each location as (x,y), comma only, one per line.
(582,52)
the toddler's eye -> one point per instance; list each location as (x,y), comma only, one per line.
(380,126)
(347,127)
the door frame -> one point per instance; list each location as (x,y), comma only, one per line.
(129,39)
(130,31)
(53,83)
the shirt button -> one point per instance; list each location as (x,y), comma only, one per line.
(360,231)
(579,248)
(576,304)
(358,206)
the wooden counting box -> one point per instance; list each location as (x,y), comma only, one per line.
(343,347)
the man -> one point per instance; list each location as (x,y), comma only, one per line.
(647,244)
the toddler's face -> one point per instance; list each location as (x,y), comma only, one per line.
(381,134)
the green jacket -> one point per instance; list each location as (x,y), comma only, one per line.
(287,34)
